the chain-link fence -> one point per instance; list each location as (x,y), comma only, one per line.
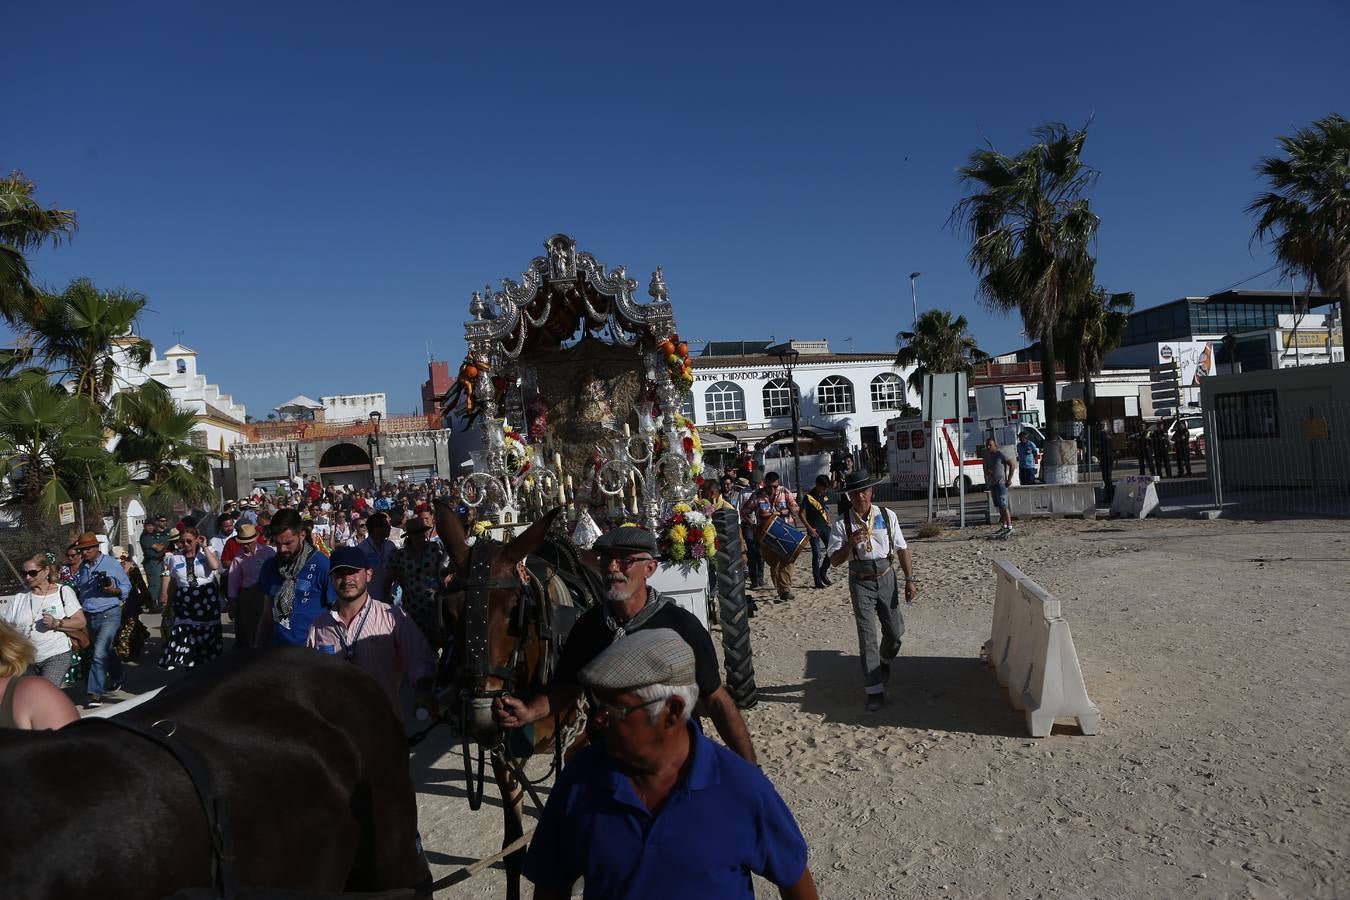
(1285,458)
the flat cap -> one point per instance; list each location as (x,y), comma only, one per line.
(629,539)
(649,656)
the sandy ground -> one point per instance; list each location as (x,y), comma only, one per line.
(1217,654)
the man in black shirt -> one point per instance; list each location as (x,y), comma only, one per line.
(629,557)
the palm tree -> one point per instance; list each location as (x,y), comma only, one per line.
(51,448)
(155,444)
(1091,328)
(1307,211)
(1031,230)
(938,343)
(83,334)
(24,226)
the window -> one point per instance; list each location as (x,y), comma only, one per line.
(724,402)
(778,398)
(887,391)
(182,367)
(834,396)
(1251,414)
(902,440)
(687,406)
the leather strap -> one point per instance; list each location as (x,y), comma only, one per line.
(217,819)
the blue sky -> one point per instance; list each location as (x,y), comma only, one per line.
(310,192)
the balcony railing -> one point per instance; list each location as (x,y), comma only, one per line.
(293,430)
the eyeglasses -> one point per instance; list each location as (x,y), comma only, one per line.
(627,562)
(617,712)
(31,573)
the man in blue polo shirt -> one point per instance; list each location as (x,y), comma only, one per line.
(295,580)
(102,586)
(656,810)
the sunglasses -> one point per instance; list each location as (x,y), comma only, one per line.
(31,573)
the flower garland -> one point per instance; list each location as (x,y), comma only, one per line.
(687,534)
(517,457)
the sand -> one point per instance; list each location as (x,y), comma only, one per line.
(1216,652)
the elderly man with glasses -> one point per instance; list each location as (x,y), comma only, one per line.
(655,809)
(628,556)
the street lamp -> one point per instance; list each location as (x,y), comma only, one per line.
(373,445)
(914,295)
(787,356)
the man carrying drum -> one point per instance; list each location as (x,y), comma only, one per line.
(868,538)
(775,506)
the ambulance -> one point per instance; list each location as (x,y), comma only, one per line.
(909,443)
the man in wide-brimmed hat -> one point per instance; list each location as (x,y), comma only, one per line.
(102,586)
(628,558)
(248,605)
(656,809)
(867,538)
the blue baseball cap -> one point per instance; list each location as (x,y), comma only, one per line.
(348,558)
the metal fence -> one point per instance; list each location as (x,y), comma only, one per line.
(1291,458)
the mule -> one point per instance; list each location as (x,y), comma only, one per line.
(509,622)
(307,756)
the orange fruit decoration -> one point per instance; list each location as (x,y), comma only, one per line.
(667,347)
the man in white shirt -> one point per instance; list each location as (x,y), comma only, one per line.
(224,531)
(868,539)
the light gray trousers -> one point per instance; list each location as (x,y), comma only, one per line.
(880,626)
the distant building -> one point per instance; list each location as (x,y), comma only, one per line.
(741,392)
(436,387)
(351,407)
(301,409)
(220,420)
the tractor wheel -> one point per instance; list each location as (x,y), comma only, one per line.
(734,614)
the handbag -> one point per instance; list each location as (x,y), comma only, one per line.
(79,637)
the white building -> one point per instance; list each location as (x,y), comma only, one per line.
(350,407)
(741,392)
(220,420)
(1301,341)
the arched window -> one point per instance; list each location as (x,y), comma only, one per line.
(778,398)
(834,396)
(724,402)
(888,391)
(182,367)
(687,407)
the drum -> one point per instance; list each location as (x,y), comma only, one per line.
(782,542)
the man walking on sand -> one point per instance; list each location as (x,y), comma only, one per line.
(868,539)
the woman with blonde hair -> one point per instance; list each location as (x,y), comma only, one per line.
(28,701)
(45,615)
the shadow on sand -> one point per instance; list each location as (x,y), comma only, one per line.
(941,693)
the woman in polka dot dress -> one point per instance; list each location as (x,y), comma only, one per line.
(190,574)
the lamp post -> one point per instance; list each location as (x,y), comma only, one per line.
(373,445)
(787,356)
(914,296)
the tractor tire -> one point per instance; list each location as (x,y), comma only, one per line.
(733,612)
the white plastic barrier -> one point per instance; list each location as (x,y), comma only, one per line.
(1032,652)
(1135,496)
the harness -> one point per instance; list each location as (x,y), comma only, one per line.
(213,804)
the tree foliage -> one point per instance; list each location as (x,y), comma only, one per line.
(1306,212)
(938,343)
(155,444)
(24,226)
(1090,328)
(1031,230)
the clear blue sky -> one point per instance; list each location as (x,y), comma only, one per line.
(310,192)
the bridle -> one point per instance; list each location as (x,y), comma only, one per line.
(476,666)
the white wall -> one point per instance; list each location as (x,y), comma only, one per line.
(350,407)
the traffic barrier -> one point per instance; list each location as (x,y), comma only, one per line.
(1135,497)
(1032,653)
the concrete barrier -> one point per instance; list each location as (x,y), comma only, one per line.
(1136,496)
(1032,653)
(1026,500)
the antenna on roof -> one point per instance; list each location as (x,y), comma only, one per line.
(849,341)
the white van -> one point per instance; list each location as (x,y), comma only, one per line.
(909,442)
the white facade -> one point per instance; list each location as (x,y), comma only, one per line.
(849,392)
(1306,341)
(220,420)
(350,407)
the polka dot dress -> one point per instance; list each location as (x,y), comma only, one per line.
(195,637)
